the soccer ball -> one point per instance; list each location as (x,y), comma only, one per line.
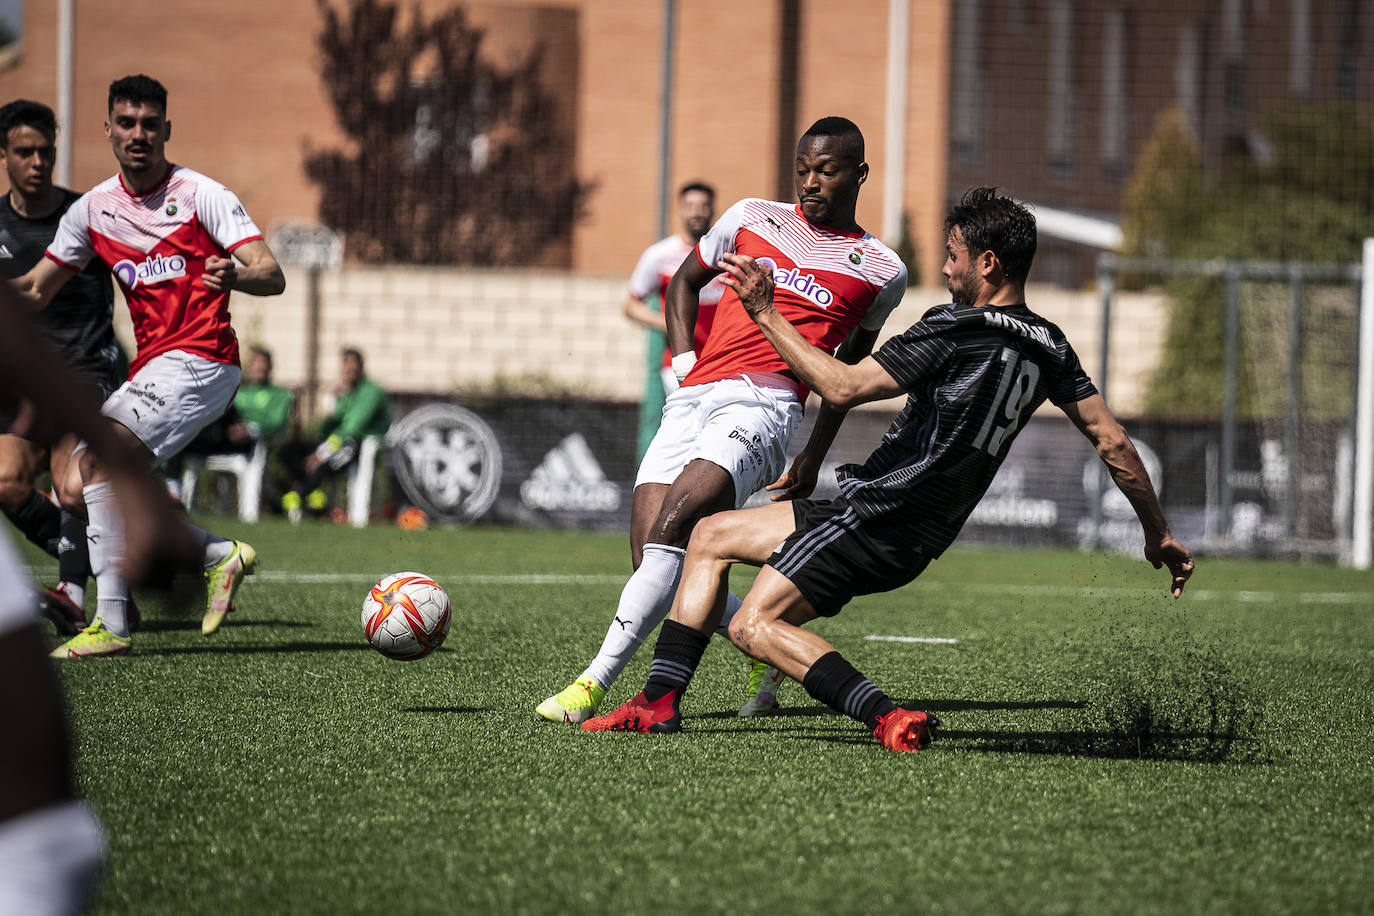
(406,616)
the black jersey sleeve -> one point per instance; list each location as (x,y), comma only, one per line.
(920,352)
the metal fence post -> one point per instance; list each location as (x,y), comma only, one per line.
(1228,409)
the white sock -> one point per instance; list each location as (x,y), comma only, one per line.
(213,547)
(732,604)
(644,602)
(49,860)
(105,535)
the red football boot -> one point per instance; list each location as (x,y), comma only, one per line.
(639,715)
(905,729)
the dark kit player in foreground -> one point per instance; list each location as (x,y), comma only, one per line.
(974,372)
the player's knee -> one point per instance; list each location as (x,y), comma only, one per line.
(14,490)
(747,628)
(707,535)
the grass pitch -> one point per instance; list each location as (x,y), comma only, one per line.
(1104,748)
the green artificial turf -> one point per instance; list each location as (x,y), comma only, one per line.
(1104,748)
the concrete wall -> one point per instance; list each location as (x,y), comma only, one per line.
(451,332)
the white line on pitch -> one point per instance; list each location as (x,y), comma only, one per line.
(940,640)
(281,575)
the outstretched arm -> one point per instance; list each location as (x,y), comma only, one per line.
(841,385)
(1116,450)
(799,480)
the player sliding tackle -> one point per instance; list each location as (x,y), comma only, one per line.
(973,371)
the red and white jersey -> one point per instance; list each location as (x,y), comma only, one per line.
(156,245)
(826,282)
(655,269)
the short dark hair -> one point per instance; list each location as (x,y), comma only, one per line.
(701,186)
(843,128)
(353,352)
(265,353)
(989,221)
(138,90)
(25,113)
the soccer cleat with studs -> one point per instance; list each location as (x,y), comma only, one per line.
(221,582)
(93,642)
(763,689)
(575,703)
(905,729)
(640,715)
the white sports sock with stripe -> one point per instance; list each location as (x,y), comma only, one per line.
(644,603)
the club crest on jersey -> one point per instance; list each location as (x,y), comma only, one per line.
(855,257)
(154,270)
(171,207)
(803,286)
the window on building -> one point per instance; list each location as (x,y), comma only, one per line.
(1233,56)
(1187,85)
(1063,99)
(1348,68)
(1114,116)
(966,133)
(1300,49)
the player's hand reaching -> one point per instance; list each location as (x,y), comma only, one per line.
(798,481)
(220,274)
(1169,552)
(752,281)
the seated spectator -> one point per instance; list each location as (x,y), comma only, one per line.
(263,408)
(259,412)
(360,410)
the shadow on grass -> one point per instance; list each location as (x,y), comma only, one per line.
(268,649)
(1137,732)
(929,705)
(172,626)
(1177,746)
(447,709)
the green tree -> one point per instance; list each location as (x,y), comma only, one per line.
(1309,197)
(452,160)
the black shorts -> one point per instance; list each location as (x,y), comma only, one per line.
(833,555)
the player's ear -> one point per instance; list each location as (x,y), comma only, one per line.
(166,130)
(988,264)
(863,172)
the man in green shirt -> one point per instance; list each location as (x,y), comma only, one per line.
(263,408)
(360,411)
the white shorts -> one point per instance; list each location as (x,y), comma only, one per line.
(741,424)
(172,398)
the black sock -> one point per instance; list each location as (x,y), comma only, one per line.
(73,553)
(39,520)
(676,656)
(839,685)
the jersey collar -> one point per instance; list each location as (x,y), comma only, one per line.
(796,208)
(171,167)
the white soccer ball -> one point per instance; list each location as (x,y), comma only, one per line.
(406,616)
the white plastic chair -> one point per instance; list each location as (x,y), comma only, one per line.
(249,468)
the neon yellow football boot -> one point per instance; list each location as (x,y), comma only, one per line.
(221,582)
(93,642)
(577,702)
(763,689)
